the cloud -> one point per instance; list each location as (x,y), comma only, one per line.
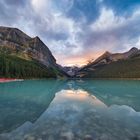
(90,9)
(76,30)
(119,7)
(107,20)
(112,32)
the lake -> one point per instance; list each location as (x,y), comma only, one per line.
(70,110)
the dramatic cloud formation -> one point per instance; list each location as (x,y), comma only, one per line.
(76,30)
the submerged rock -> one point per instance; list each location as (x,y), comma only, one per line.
(104,137)
(67,136)
(88,137)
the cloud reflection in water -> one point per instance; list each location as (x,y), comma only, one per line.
(76,114)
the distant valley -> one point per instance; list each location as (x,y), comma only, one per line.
(25,57)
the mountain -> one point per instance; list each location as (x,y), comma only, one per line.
(117,65)
(71,70)
(25,57)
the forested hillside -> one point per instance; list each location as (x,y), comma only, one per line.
(15,67)
(117,65)
(120,69)
(24,57)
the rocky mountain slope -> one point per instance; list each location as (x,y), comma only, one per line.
(24,57)
(117,65)
(71,70)
(23,54)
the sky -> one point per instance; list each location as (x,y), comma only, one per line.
(76,30)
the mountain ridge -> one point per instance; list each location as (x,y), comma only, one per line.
(14,42)
(110,57)
(104,62)
(17,47)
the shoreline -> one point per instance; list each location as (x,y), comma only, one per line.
(6,80)
(105,78)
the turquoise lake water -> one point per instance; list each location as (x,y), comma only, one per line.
(70,110)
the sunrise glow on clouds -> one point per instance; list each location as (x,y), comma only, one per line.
(76,30)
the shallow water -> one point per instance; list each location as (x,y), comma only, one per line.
(70,110)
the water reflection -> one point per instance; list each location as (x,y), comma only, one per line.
(78,110)
(25,101)
(120,92)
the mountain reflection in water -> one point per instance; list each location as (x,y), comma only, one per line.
(76,112)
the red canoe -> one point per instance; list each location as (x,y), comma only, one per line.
(2,80)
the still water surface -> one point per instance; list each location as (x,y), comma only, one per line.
(70,110)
